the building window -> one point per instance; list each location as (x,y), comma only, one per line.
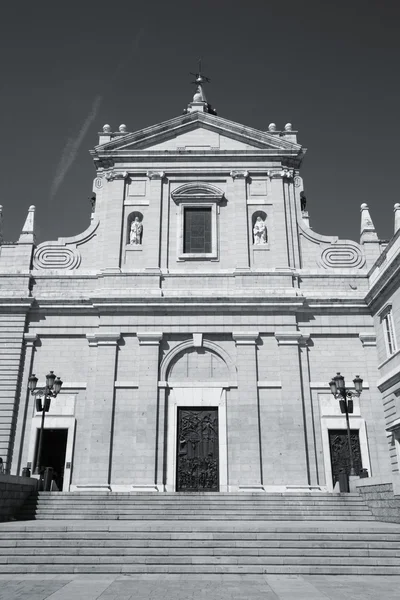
(197,230)
(388,328)
(197,220)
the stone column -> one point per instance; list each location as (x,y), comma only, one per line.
(243,418)
(23,412)
(241,245)
(295,460)
(153,220)
(144,444)
(99,412)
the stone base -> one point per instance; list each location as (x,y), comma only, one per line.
(91,488)
(251,488)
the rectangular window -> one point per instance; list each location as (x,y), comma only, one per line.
(197,231)
(389,333)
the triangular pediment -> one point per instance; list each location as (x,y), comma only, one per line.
(199,132)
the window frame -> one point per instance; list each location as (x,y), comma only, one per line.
(389,332)
(197,195)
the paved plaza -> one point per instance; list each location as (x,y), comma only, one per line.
(210,587)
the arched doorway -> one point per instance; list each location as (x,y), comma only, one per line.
(197,378)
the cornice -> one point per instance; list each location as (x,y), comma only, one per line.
(173,127)
(149,338)
(245,338)
(103,338)
(291,338)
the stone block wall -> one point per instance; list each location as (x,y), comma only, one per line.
(385,506)
(13,493)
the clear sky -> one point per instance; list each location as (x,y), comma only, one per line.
(330,68)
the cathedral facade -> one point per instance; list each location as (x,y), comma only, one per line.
(196,323)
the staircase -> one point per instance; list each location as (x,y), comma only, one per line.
(198,507)
(132,533)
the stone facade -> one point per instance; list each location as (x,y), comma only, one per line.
(383,300)
(139,326)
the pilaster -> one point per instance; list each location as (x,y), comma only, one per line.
(99,411)
(372,410)
(241,246)
(153,238)
(244,424)
(30,340)
(293,417)
(145,440)
(113,226)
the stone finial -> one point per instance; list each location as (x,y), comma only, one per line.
(396,217)
(107,128)
(122,128)
(288,127)
(272,127)
(28,231)
(368,233)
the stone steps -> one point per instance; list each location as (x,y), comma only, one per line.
(211,506)
(199,533)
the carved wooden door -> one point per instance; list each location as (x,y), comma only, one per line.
(339,448)
(197,450)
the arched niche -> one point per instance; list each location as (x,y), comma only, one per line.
(130,219)
(208,363)
(263,216)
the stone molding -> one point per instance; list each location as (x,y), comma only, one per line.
(239,174)
(269,384)
(207,344)
(367,339)
(103,338)
(245,338)
(198,191)
(31,339)
(126,384)
(149,338)
(111,175)
(291,338)
(155,175)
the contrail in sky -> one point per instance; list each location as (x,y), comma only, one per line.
(72,146)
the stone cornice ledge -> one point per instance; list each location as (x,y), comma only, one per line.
(245,338)
(291,338)
(367,339)
(149,338)
(104,338)
(126,384)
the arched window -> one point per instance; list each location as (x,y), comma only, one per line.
(134,232)
(259,228)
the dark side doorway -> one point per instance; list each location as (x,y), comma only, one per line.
(53,452)
(339,448)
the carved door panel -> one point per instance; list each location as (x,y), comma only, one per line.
(339,449)
(197,450)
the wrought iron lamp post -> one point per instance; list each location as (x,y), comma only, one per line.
(43,398)
(345,395)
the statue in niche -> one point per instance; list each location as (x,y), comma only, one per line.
(136,232)
(259,232)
